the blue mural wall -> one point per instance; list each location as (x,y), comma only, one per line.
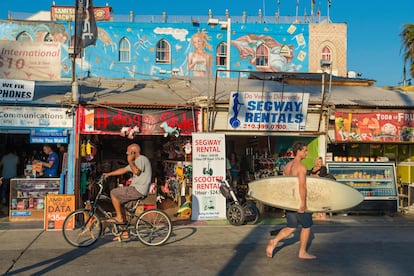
(286,43)
(192,48)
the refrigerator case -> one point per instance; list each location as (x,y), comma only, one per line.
(27,197)
(377,182)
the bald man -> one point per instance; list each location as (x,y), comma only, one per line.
(140,166)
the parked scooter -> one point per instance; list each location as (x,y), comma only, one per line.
(238,213)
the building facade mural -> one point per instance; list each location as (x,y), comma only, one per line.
(136,50)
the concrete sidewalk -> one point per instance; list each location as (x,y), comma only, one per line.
(28,248)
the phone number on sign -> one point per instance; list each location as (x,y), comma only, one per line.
(264,126)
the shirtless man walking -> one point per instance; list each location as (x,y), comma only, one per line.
(296,168)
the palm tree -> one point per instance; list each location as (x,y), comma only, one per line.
(407,46)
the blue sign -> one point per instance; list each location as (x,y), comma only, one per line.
(48,140)
(49,132)
(21,213)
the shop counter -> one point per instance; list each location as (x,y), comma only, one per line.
(27,197)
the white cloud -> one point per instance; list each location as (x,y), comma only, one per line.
(179,34)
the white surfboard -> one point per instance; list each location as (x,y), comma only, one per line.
(323,195)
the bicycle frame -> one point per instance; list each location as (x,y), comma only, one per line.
(84,226)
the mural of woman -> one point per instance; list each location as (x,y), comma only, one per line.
(199,61)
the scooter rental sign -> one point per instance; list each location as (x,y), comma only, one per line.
(209,164)
(267,111)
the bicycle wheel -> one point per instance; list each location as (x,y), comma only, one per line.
(153,227)
(81,229)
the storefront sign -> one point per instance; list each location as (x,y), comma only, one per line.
(268,111)
(16,90)
(147,122)
(49,136)
(56,210)
(31,116)
(67,13)
(49,132)
(30,60)
(48,140)
(209,164)
(384,126)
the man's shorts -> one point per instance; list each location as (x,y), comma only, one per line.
(125,194)
(294,219)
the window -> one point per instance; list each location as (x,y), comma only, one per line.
(24,36)
(162,54)
(48,38)
(326,53)
(262,55)
(124,50)
(221,54)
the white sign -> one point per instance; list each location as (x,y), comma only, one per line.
(30,60)
(30,116)
(268,111)
(16,90)
(209,164)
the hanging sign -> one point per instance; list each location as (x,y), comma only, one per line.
(49,136)
(209,164)
(268,111)
(16,90)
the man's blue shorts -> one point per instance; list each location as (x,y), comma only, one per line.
(294,219)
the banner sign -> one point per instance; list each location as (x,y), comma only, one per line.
(67,13)
(86,31)
(268,111)
(31,116)
(57,208)
(146,122)
(48,140)
(209,164)
(16,90)
(25,60)
(383,126)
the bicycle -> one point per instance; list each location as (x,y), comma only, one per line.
(83,227)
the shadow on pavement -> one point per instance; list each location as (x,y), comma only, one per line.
(52,263)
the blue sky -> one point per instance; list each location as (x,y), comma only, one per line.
(374,44)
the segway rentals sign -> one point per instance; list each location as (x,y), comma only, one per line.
(267,111)
(209,165)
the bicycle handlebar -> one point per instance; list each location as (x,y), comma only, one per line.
(100,180)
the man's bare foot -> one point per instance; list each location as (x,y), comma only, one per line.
(306,256)
(271,246)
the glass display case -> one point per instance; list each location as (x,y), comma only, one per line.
(27,197)
(377,182)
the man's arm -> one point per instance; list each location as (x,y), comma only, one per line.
(116,172)
(302,189)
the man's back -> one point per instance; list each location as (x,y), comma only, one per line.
(9,163)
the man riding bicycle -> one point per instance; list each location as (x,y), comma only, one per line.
(140,166)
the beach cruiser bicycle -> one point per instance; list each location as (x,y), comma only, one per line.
(85,226)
